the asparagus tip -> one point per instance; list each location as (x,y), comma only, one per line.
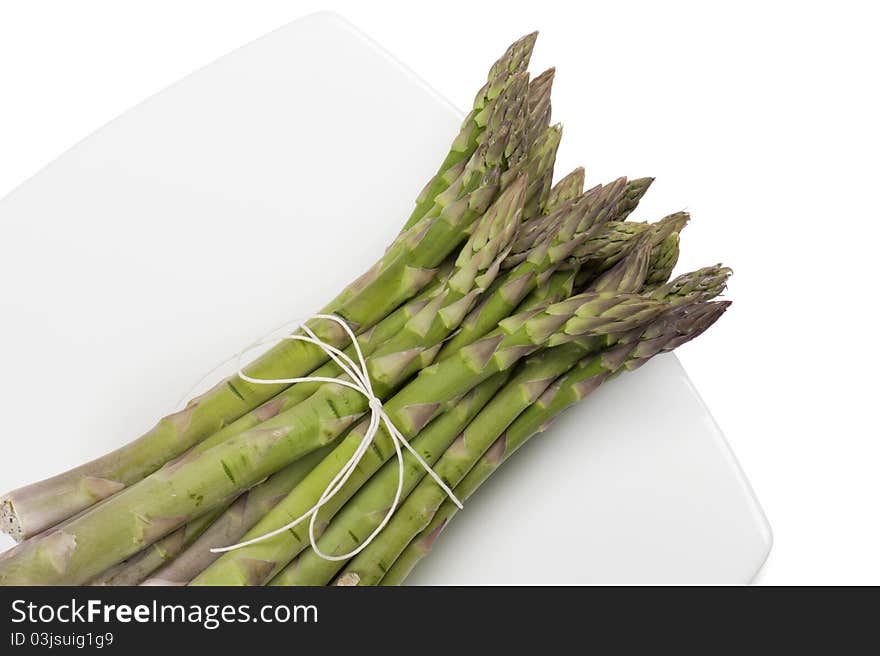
(517,55)
(675,222)
(698,318)
(711,312)
(544,81)
(528,41)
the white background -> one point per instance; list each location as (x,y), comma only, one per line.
(761,119)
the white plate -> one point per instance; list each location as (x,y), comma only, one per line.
(249,193)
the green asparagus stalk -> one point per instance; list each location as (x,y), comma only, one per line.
(514,61)
(362,515)
(560,284)
(618,239)
(537,123)
(499,427)
(566,391)
(558,287)
(543,157)
(664,255)
(229,526)
(417,254)
(290,434)
(700,285)
(539,104)
(629,274)
(634,192)
(436,389)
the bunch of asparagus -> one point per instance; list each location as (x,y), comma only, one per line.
(503,300)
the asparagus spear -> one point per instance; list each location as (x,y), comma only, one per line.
(362,515)
(618,238)
(634,192)
(543,158)
(539,103)
(700,285)
(614,242)
(492,436)
(513,61)
(537,123)
(434,390)
(417,254)
(663,261)
(561,283)
(664,255)
(558,287)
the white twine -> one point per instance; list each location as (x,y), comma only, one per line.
(360,381)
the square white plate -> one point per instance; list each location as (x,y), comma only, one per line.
(249,193)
